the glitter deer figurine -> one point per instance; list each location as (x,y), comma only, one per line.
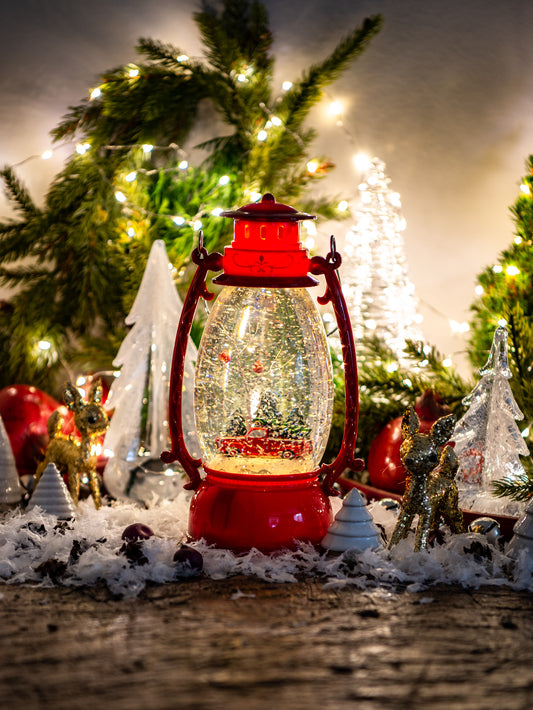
(77,457)
(431,491)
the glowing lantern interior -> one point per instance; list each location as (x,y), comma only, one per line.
(264,388)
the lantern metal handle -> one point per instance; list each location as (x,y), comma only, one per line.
(327,267)
(205,262)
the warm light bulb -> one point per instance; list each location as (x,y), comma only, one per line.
(512,270)
(276,121)
(130,232)
(82,148)
(312,166)
(120,196)
(497,268)
(525,189)
(133,73)
(286,85)
(217,211)
(178,220)
(335,108)
(47,155)
(147,148)
(262,135)
(255,196)
(44,345)
(518,240)
(342,206)
(479,290)
(447,362)
(197,225)
(182,58)
(130,177)
(183,165)
(502,322)
(362,162)
(95,93)
(242,78)
(223,180)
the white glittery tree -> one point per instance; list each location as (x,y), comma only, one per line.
(380,297)
(138,432)
(522,540)
(10,489)
(487,439)
(353,527)
(52,496)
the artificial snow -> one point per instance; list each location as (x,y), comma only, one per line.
(37,549)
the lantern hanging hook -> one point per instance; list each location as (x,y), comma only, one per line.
(333,257)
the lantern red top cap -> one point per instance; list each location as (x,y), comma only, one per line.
(266,248)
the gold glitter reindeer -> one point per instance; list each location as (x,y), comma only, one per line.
(77,458)
(431,490)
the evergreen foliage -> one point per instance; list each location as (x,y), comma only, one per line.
(507,295)
(76,264)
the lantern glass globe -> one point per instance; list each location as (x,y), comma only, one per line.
(263,385)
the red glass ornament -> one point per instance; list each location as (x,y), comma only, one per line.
(25,411)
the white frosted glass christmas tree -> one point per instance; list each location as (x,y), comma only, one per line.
(138,432)
(52,496)
(380,297)
(487,439)
(353,527)
(10,489)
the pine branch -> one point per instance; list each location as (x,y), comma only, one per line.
(17,193)
(519,488)
(305,93)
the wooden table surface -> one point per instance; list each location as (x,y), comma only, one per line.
(242,643)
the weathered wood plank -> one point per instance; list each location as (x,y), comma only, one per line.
(242,643)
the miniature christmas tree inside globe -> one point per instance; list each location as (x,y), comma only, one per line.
(264,392)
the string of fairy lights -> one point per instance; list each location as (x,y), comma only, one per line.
(272,120)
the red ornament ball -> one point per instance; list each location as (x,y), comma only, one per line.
(188,561)
(137,531)
(25,411)
(384,465)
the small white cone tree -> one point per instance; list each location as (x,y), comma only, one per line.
(353,527)
(52,496)
(138,431)
(522,539)
(11,491)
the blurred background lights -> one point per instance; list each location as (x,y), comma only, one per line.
(362,162)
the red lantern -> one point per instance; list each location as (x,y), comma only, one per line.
(263,387)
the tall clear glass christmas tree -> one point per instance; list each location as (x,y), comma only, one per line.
(487,439)
(138,432)
(380,297)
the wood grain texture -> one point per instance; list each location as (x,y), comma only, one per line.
(242,643)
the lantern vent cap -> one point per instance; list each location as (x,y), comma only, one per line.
(268,210)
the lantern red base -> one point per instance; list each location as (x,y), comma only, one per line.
(241,512)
